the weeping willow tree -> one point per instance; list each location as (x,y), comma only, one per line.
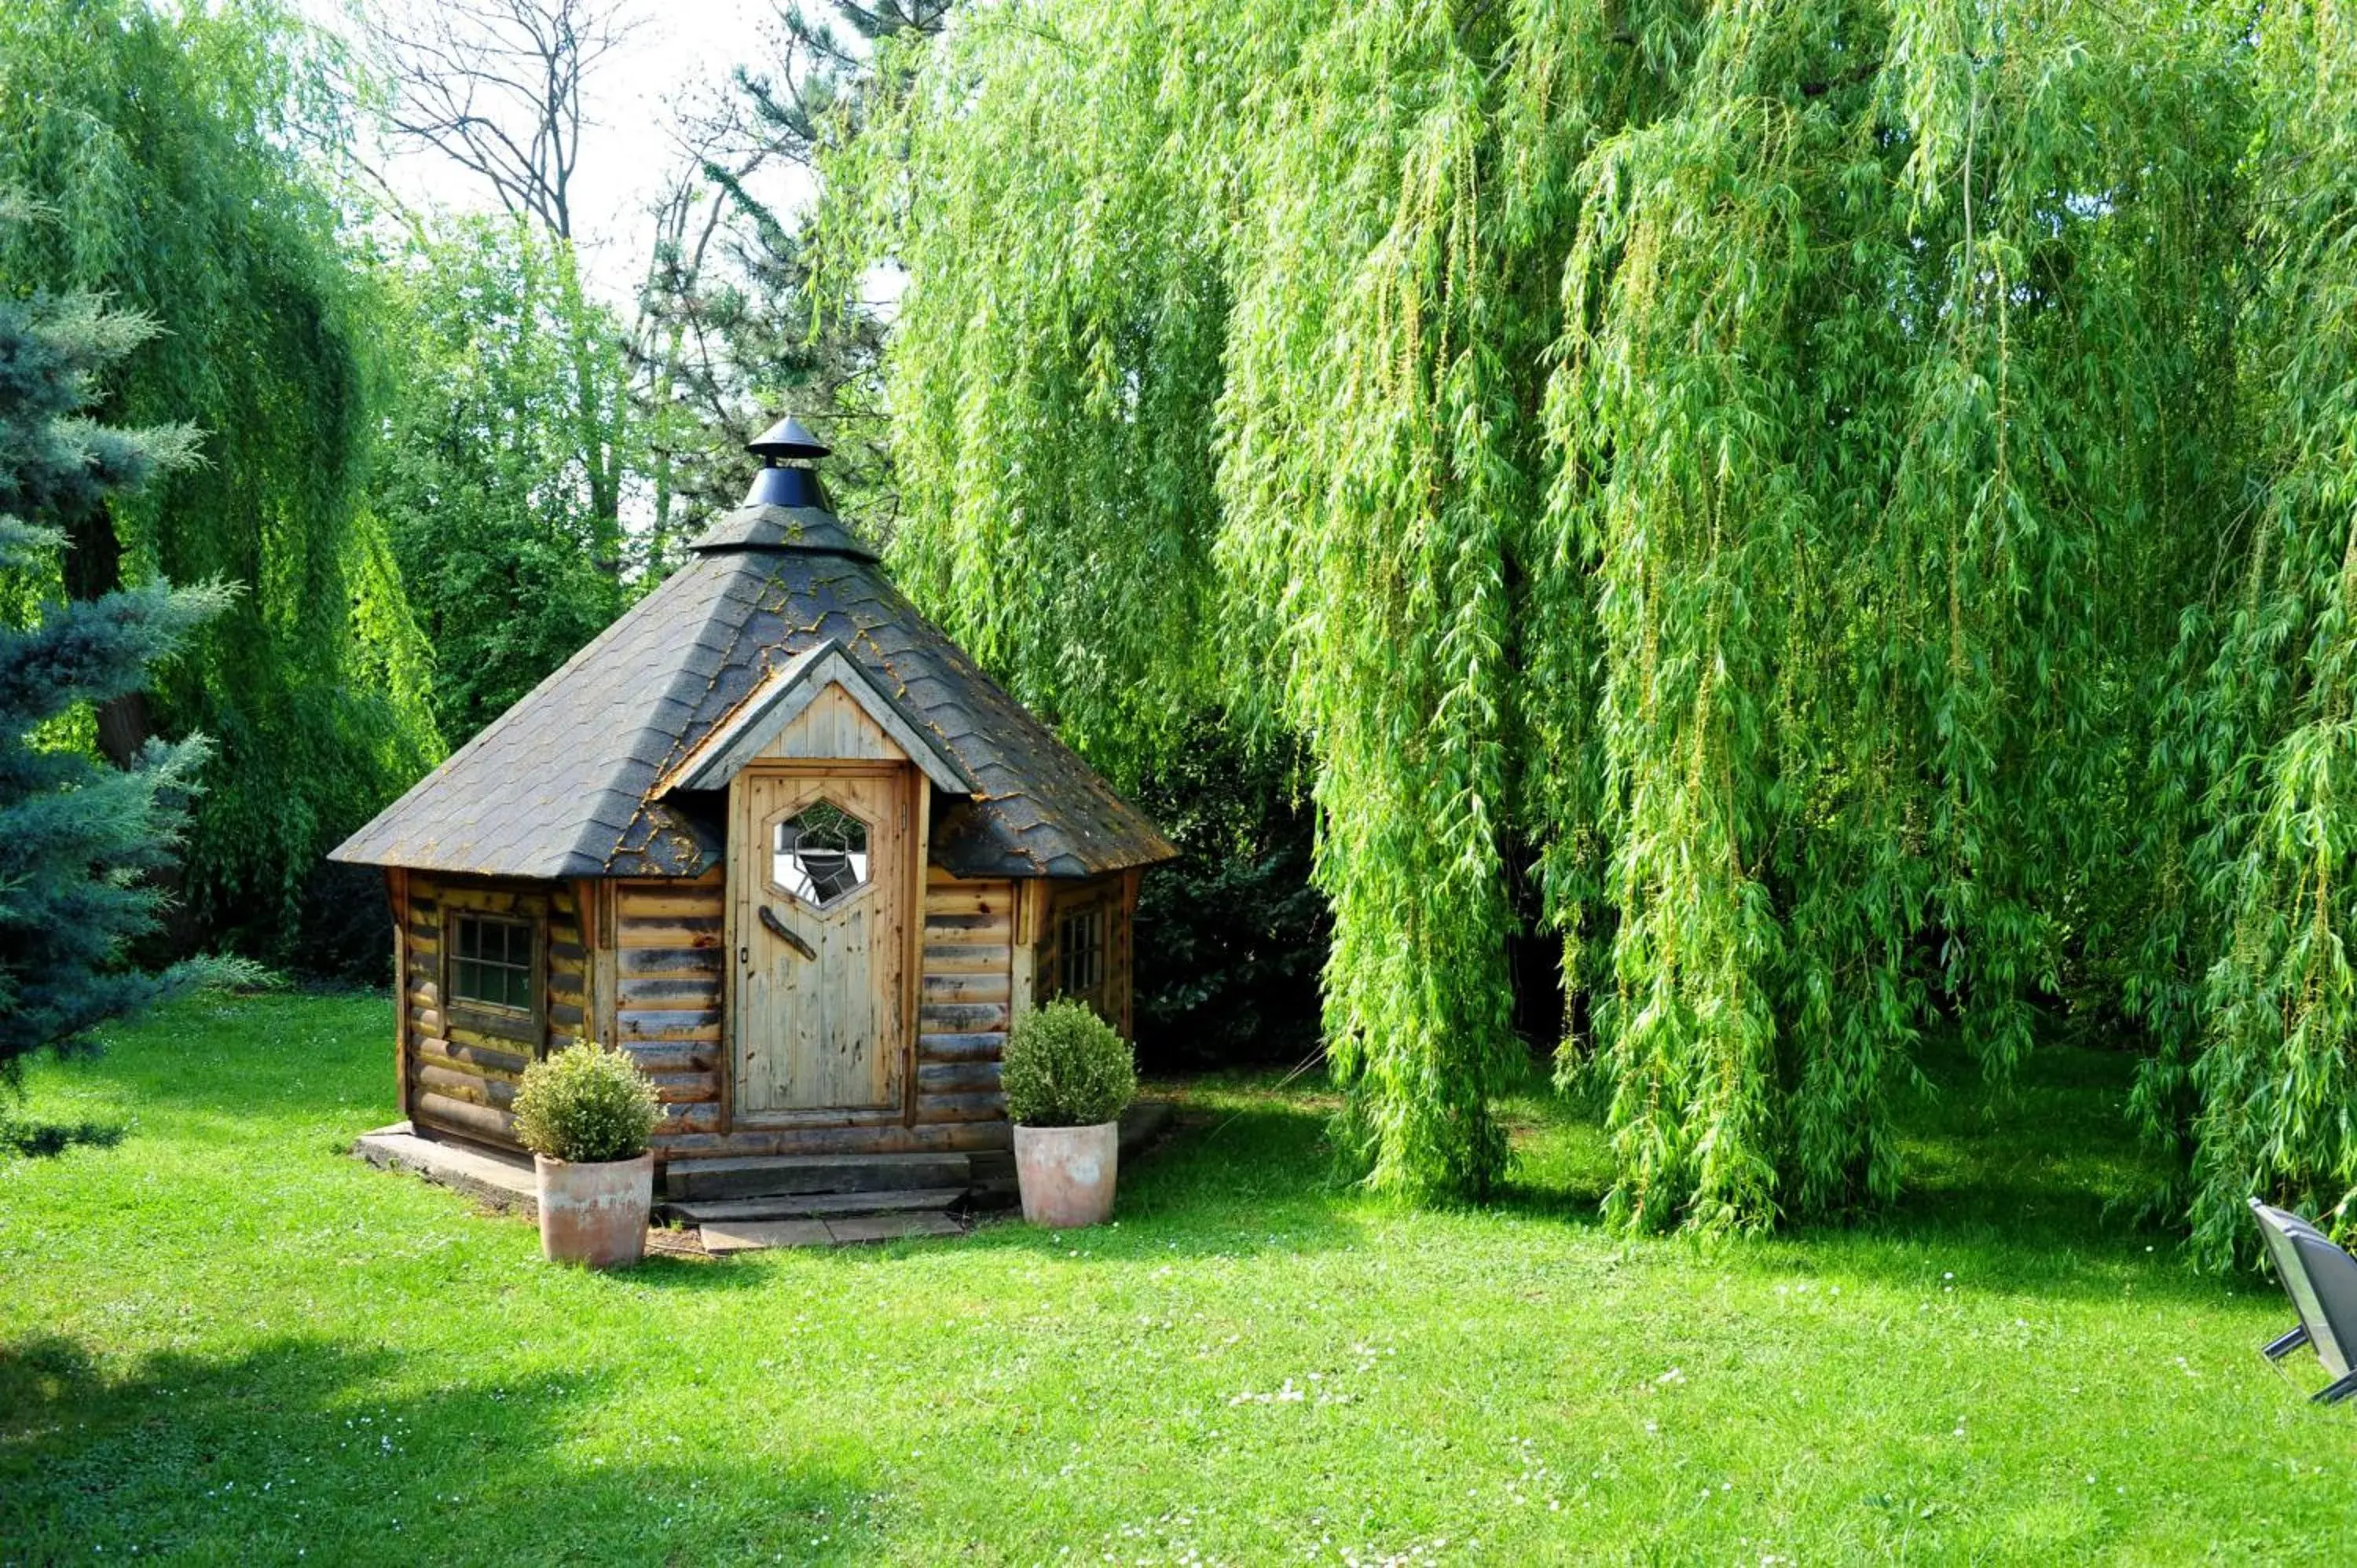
(170,160)
(1856,493)
(480,484)
(2247,975)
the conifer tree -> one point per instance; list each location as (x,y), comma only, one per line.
(81,840)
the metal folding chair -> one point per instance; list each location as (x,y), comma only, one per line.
(2321,1281)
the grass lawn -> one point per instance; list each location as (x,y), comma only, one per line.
(225,1341)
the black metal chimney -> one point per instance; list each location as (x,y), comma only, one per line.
(785,478)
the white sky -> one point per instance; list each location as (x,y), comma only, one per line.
(683,50)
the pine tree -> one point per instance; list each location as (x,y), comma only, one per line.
(82,841)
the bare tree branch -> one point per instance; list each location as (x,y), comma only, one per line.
(497,87)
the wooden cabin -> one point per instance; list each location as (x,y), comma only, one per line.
(776,836)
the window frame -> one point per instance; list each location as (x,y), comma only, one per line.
(777,824)
(524,1025)
(1096,917)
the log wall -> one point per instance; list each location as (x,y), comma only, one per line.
(648,971)
(668,958)
(966,998)
(461,1064)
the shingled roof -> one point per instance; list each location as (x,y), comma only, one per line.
(572,781)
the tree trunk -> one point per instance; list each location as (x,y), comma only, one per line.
(93,569)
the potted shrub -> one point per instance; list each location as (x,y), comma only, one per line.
(585,1114)
(1067,1077)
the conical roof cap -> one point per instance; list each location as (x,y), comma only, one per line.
(784,440)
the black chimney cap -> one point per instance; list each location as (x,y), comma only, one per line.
(785,439)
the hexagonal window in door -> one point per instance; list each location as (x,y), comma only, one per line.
(819,854)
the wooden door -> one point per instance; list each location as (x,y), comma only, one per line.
(819,882)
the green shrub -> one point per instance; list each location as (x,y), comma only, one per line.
(1066,1067)
(585,1104)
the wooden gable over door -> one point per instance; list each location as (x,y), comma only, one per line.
(806,709)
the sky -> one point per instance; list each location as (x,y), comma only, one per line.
(682,49)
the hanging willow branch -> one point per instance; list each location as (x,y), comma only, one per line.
(1765,463)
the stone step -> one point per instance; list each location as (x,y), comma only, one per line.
(812,1204)
(721,1239)
(774,1175)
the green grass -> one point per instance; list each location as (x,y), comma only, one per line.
(225,1341)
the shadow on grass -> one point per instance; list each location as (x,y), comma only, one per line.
(298,1448)
(2031,1186)
(1245,1171)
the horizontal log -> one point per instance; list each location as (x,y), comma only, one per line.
(685,1087)
(965,987)
(965,958)
(483,1121)
(471,1087)
(939,880)
(475,1058)
(631,904)
(996,925)
(487,901)
(639,993)
(978,1107)
(668,961)
(891,1138)
(425,941)
(939,903)
(425,991)
(671,933)
(473,1029)
(657,1059)
(569,956)
(960,1017)
(425,1020)
(698,1023)
(935,1079)
(688,1119)
(959,1048)
(566,1018)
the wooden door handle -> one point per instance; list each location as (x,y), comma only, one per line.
(786,934)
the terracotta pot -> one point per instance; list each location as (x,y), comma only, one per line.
(1067,1173)
(594,1212)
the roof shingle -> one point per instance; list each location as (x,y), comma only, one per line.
(559,786)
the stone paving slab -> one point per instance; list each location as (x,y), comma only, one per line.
(501,1183)
(891,1227)
(1142,1121)
(721,1239)
(757,1235)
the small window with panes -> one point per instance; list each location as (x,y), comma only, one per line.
(491,961)
(1081,956)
